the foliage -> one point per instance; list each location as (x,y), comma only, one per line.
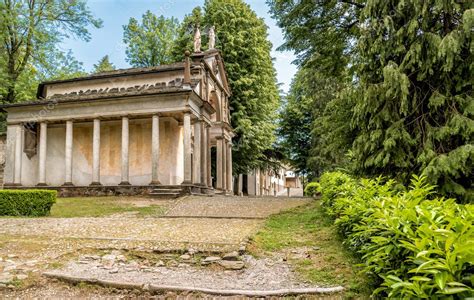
(103,65)
(150,43)
(30,32)
(415,68)
(413,243)
(404,98)
(243,39)
(34,203)
(312,189)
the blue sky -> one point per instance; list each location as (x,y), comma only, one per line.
(115,13)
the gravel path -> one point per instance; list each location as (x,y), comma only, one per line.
(232,207)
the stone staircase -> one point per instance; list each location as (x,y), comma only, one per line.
(167,191)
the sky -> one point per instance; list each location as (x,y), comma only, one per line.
(116,13)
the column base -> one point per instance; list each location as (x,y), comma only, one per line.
(155,182)
(11,184)
(41,184)
(68,184)
(124,183)
(95,184)
(187,183)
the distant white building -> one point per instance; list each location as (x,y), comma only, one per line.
(267,183)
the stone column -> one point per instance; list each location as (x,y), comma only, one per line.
(230,183)
(18,154)
(197,153)
(125,146)
(220,163)
(203,144)
(96,153)
(155,150)
(209,157)
(68,153)
(224,165)
(42,154)
(187,148)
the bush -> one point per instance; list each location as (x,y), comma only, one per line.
(414,244)
(33,203)
(312,189)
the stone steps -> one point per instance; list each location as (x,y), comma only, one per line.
(166,191)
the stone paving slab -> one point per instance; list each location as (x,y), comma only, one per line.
(232,207)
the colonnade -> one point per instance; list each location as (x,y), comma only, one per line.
(196,160)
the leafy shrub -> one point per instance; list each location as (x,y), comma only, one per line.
(312,189)
(26,202)
(412,246)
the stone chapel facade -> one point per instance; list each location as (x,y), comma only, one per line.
(131,131)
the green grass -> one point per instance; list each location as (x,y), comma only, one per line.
(99,206)
(308,228)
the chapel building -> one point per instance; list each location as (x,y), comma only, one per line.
(130,131)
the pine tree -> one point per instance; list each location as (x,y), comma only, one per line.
(103,65)
(415,111)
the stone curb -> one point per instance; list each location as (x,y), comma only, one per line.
(166,288)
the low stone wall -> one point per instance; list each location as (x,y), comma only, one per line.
(85,191)
(116,190)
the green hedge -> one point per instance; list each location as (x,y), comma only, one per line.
(33,203)
(411,242)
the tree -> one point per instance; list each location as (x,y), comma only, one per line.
(296,124)
(29,34)
(415,110)
(151,42)
(408,87)
(243,39)
(316,122)
(103,65)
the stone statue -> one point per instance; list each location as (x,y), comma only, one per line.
(212,38)
(197,40)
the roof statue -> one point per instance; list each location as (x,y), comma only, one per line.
(212,38)
(197,39)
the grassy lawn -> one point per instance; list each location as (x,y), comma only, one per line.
(305,237)
(103,206)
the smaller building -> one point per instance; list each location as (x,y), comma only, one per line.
(268,182)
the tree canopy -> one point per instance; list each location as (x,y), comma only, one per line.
(390,88)
(30,32)
(150,42)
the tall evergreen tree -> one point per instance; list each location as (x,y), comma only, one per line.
(243,39)
(103,65)
(415,110)
(30,32)
(150,42)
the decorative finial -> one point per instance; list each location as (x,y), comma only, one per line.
(197,39)
(212,38)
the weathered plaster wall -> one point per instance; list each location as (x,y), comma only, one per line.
(171,153)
